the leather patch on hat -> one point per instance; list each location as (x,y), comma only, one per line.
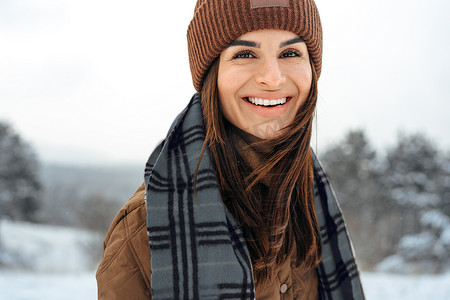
(268,3)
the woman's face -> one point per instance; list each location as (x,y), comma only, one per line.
(264,77)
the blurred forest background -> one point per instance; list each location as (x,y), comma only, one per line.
(396,203)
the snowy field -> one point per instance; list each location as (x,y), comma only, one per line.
(59,268)
(48,249)
(82,286)
(398,287)
(36,286)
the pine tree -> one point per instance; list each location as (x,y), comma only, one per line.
(355,175)
(20,186)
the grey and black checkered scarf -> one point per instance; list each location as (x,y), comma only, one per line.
(197,251)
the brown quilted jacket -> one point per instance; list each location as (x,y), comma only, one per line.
(124,272)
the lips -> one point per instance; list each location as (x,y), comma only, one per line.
(267,102)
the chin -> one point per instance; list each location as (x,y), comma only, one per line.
(267,129)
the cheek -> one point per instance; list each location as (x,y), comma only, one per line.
(223,88)
(303,79)
(227,81)
(225,94)
(222,81)
(228,87)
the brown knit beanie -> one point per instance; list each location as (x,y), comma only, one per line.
(217,23)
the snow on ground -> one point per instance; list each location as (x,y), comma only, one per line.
(32,286)
(44,248)
(38,286)
(50,263)
(47,262)
(406,287)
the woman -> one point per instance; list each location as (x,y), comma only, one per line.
(236,205)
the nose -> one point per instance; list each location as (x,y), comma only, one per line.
(269,74)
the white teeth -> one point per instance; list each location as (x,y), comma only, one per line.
(267,102)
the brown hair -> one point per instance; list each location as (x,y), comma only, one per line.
(277,221)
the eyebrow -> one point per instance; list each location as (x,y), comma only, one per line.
(244,43)
(291,41)
(257,45)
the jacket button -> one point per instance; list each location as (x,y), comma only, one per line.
(283,288)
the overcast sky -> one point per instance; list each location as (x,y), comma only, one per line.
(101,81)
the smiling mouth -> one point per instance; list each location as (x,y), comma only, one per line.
(267,102)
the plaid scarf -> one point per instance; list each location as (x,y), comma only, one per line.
(197,250)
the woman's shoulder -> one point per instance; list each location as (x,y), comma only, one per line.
(126,252)
(132,215)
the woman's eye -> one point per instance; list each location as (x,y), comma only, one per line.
(243,54)
(291,53)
